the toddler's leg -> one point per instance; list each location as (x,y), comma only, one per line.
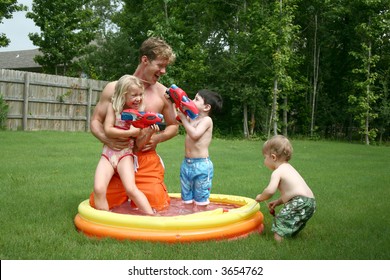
(277,237)
(126,172)
(103,174)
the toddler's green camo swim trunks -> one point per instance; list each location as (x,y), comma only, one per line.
(293,216)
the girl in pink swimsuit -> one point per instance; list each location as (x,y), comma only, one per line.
(128,94)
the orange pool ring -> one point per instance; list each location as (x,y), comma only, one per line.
(208,225)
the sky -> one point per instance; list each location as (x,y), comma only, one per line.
(17,28)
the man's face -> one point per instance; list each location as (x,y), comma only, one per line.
(155,69)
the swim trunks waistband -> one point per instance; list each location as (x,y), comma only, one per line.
(306,198)
(145,152)
(193,160)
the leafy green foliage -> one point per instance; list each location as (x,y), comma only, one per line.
(241,49)
(67,27)
(370,31)
(3,113)
(7,8)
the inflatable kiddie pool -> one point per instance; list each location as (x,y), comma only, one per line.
(233,217)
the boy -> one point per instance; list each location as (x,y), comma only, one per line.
(196,171)
(295,194)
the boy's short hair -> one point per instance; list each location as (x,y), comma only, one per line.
(213,99)
(154,48)
(280,146)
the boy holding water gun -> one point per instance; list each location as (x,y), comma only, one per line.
(196,171)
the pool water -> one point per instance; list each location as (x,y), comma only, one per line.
(176,208)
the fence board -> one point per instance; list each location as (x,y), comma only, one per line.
(48,102)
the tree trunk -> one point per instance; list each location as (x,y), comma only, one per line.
(366,128)
(285,116)
(316,63)
(274,113)
(253,122)
(246,133)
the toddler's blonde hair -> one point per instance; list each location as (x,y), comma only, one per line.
(280,146)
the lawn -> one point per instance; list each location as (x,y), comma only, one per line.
(45,175)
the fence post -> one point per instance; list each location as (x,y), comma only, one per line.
(25,100)
(89,105)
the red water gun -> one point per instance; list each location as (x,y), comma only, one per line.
(142,119)
(181,100)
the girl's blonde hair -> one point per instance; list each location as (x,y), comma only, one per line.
(125,83)
(280,146)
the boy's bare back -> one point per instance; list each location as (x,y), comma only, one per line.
(290,182)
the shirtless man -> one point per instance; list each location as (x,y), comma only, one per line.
(295,194)
(154,58)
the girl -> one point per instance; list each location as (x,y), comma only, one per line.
(128,94)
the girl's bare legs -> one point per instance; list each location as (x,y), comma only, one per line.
(125,170)
(103,175)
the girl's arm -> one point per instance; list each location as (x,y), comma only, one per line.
(112,131)
(145,135)
(98,118)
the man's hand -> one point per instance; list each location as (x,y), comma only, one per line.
(152,143)
(144,140)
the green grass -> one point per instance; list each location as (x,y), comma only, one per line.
(45,175)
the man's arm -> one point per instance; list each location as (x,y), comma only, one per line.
(171,129)
(99,116)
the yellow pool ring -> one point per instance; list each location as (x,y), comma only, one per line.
(214,224)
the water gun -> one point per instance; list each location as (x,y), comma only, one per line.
(142,119)
(181,100)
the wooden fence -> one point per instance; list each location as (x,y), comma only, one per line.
(48,102)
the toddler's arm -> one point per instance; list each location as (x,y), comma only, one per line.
(270,190)
(275,203)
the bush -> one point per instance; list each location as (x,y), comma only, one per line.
(3,113)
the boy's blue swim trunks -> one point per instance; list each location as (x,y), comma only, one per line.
(196,176)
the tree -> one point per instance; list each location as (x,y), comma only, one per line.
(67,27)
(293,58)
(281,34)
(370,32)
(311,16)
(7,7)
(105,10)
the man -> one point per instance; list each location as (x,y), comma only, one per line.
(155,56)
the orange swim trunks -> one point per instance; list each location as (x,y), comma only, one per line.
(149,179)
